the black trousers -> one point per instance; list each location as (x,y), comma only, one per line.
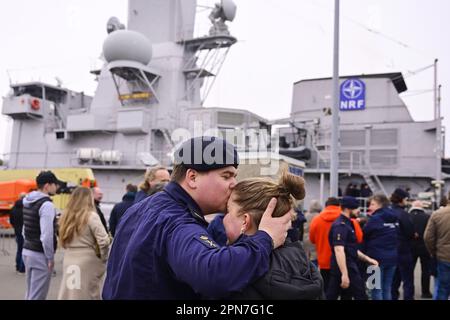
(404,273)
(345,294)
(356,289)
(425,266)
(325,273)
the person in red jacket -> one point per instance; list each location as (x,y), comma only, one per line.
(318,235)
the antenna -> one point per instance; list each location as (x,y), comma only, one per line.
(59,81)
(225,11)
(9,77)
(114,24)
(228,10)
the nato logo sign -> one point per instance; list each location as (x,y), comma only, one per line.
(353,95)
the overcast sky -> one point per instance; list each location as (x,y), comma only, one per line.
(280,42)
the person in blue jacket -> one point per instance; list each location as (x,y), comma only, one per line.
(153,176)
(405,270)
(162,249)
(380,243)
(120,208)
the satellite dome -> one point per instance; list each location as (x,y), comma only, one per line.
(127,45)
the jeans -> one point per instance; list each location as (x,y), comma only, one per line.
(386,278)
(443,270)
(436,288)
(20,266)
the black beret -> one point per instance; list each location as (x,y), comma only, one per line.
(206,153)
(400,193)
(349,202)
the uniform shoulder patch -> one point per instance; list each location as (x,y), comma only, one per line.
(207,241)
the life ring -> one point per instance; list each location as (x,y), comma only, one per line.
(35,104)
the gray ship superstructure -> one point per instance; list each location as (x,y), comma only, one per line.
(154,81)
(380,144)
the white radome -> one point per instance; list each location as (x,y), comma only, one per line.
(127,45)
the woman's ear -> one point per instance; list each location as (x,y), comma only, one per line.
(247,222)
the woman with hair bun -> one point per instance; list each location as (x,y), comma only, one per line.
(291,275)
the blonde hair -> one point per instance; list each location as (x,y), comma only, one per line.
(149,176)
(76,214)
(254,194)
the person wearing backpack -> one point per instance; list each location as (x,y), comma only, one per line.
(291,275)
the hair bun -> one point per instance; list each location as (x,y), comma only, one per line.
(295,185)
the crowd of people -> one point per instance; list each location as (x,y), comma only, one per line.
(158,243)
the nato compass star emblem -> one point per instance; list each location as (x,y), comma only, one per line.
(352,89)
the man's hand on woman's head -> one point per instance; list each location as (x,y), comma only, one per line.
(276,228)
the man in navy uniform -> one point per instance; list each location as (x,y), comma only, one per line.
(162,249)
(344,272)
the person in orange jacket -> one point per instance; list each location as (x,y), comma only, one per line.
(318,235)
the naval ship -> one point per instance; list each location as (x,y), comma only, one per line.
(150,97)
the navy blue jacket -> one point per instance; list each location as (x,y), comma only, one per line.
(162,251)
(217,230)
(405,231)
(141,195)
(119,209)
(380,237)
(16,217)
(342,233)
(297,230)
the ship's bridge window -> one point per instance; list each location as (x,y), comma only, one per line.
(34,91)
(230,118)
(55,95)
(52,94)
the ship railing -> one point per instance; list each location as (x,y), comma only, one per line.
(350,160)
(128,160)
(42,159)
(358,160)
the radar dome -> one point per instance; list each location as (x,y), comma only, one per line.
(127,45)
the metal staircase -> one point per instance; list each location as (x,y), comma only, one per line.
(374,183)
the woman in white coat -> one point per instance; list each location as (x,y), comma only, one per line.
(86,242)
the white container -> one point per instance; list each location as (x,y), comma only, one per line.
(86,154)
(111,156)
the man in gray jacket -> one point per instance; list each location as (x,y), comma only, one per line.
(40,236)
